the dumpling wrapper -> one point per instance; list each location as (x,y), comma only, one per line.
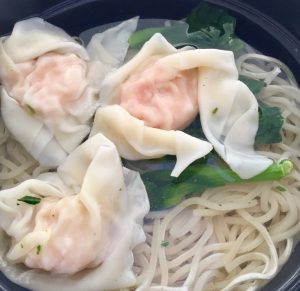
(109,48)
(91,217)
(51,80)
(228,109)
(136,141)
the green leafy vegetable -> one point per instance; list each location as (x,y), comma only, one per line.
(176,35)
(212,37)
(206,27)
(270,124)
(254,85)
(164,244)
(30,200)
(179,36)
(206,15)
(165,191)
(138,38)
(270,118)
(216,24)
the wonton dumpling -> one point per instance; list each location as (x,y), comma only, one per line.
(50,79)
(228,109)
(133,138)
(88,222)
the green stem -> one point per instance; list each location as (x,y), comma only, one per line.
(165,191)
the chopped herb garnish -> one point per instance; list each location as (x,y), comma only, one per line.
(30,109)
(215,110)
(280,189)
(18,204)
(30,200)
(38,249)
(22,246)
(164,243)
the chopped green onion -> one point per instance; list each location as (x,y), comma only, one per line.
(30,200)
(280,189)
(30,109)
(164,243)
(38,249)
(215,110)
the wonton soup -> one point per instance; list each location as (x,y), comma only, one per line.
(163,158)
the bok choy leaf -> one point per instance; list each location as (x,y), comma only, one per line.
(165,191)
(206,27)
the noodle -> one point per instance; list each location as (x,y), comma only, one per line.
(231,237)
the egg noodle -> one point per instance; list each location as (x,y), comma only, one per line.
(235,236)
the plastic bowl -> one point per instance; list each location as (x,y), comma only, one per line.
(274,32)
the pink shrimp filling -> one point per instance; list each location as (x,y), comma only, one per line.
(74,241)
(48,84)
(161,96)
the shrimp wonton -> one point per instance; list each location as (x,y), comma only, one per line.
(75,229)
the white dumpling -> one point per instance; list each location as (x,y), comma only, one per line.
(133,138)
(228,109)
(52,80)
(81,234)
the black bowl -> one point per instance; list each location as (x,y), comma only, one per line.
(272,28)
